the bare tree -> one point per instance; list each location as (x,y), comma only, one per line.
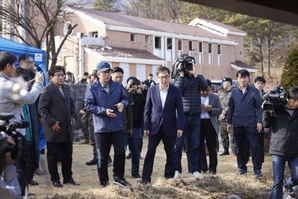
(36,22)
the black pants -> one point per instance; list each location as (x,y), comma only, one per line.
(169,143)
(103,145)
(24,166)
(54,149)
(209,134)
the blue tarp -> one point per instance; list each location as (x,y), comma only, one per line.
(38,56)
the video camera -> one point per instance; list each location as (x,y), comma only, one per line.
(186,62)
(8,127)
(274,98)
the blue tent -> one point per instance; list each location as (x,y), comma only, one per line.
(38,56)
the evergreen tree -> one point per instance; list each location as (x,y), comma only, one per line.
(289,77)
(106,5)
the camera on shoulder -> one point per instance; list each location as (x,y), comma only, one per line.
(8,127)
(186,63)
(274,98)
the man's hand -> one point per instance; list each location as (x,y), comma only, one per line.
(110,113)
(83,118)
(120,107)
(259,127)
(82,112)
(39,77)
(266,130)
(56,127)
(41,120)
(229,127)
(179,133)
(72,121)
(146,132)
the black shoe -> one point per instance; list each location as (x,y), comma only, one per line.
(92,162)
(57,184)
(129,156)
(289,189)
(136,175)
(32,182)
(121,182)
(104,184)
(70,181)
(226,152)
(143,182)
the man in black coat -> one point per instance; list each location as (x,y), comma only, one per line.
(58,111)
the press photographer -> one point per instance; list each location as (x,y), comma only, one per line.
(10,149)
(191,85)
(283,119)
(12,96)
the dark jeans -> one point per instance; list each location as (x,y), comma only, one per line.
(209,134)
(192,125)
(54,150)
(154,140)
(104,142)
(240,134)
(135,143)
(24,166)
(278,168)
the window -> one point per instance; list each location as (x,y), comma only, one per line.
(93,34)
(219,56)
(190,45)
(133,37)
(68,28)
(179,44)
(157,41)
(210,53)
(169,43)
(147,39)
(200,52)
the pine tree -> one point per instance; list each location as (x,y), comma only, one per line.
(289,77)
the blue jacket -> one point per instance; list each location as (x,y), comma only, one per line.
(98,100)
(245,109)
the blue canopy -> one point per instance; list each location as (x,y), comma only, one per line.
(38,55)
(39,58)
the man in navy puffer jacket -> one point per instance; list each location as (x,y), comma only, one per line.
(245,114)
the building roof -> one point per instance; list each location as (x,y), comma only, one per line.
(124,52)
(238,65)
(118,19)
(222,25)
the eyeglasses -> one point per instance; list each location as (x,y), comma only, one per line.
(29,62)
(59,76)
(164,77)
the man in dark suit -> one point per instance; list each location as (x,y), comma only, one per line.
(163,101)
(58,111)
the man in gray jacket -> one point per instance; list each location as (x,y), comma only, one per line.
(11,101)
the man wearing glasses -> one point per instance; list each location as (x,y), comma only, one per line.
(163,101)
(58,111)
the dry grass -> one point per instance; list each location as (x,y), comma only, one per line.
(227,182)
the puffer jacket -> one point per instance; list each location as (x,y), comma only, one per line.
(284,138)
(191,92)
(98,100)
(245,109)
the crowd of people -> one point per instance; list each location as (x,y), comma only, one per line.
(185,115)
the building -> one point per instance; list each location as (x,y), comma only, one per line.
(139,45)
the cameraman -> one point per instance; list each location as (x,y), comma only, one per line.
(284,143)
(9,184)
(190,84)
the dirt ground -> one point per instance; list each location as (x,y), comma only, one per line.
(227,182)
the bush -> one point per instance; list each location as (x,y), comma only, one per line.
(289,77)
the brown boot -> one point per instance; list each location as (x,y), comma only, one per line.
(86,141)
